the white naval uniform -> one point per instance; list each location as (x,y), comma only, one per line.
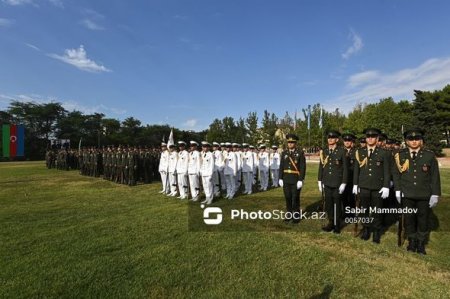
(223,183)
(206,172)
(264,170)
(173,158)
(218,168)
(194,173)
(163,168)
(274,161)
(255,169)
(182,173)
(230,171)
(248,165)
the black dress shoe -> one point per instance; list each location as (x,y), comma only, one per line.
(412,245)
(376,237)
(337,230)
(421,247)
(365,234)
(329,227)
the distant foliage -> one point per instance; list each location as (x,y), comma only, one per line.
(428,110)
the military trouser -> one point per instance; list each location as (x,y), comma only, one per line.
(183,184)
(292,196)
(274,173)
(348,199)
(238,180)
(264,179)
(371,199)
(333,204)
(416,224)
(194,183)
(223,183)
(216,183)
(173,182)
(165,182)
(247,177)
(208,187)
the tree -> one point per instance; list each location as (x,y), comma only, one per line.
(425,111)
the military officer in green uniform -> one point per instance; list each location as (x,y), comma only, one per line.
(292,173)
(417,185)
(371,177)
(348,199)
(332,180)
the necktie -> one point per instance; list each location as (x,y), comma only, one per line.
(414,154)
(370,152)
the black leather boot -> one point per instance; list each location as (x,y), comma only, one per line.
(412,245)
(329,227)
(365,234)
(376,237)
(421,247)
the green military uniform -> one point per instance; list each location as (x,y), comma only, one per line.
(291,175)
(348,199)
(371,175)
(417,185)
(333,175)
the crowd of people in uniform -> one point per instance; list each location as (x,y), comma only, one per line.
(355,182)
(123,164)
(226,168)
(376,178)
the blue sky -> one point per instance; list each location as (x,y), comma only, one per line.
(187,62)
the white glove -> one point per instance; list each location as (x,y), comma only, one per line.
(280,182)
(319,183)
(299,185)
(398,196)
(433,200)
(384,192)
(355,189)
(342,188)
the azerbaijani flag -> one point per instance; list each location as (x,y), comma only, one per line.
(13,141)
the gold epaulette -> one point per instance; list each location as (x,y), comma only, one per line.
(361,163)
(401,168)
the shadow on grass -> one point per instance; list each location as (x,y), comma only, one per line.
(326,293)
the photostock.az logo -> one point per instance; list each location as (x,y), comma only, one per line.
(212,215)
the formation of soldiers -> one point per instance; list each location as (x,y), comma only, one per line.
(356,183)
(62,159)
(361,183)
(226,168)
(122,164)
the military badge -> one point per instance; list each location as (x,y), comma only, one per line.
(378,163)
(425,168)
(338,162)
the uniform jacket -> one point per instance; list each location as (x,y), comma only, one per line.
(274,161)
(207,166)
(230,164)
(183,161)
(287,169)
(218,160)
(419,178)
(194,162)
(372,173)
(173,159)
(263,161)
(164,161)
(333,167)
(248,162)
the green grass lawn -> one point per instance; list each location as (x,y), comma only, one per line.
(65,235)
